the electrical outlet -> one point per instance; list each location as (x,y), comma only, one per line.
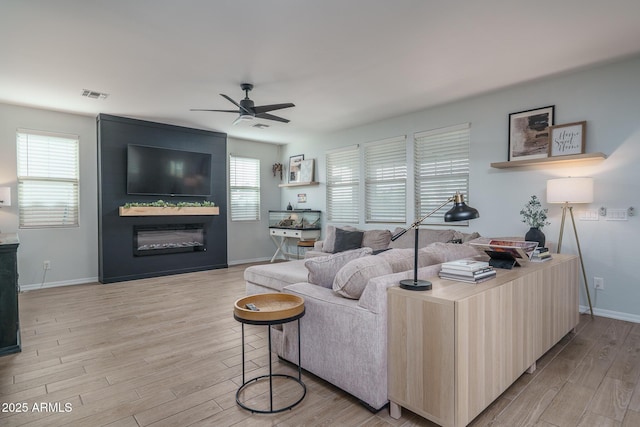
(47,265)
(598,283)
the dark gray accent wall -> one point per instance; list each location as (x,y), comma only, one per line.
(116,259)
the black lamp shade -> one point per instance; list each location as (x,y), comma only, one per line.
(461,212)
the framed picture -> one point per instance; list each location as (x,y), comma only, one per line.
(294,168)
(529,133)
(306,170)
(567,139)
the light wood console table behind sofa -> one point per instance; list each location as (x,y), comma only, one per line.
(453,350)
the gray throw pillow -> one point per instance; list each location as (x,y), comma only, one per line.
(354,276)
(323,269)
(329,241)
(376,239)
(347,240)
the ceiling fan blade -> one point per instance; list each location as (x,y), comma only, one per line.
(271,117)
(219,111)
(264,108)
(234,102)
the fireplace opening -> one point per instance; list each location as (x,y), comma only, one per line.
(168,239)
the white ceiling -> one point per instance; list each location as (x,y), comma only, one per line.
(342,62)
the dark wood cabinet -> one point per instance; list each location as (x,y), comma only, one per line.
(9,318)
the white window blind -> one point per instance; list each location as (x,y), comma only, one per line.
(343,182)
(48,179)
(441,169)
(244,188)
(385,164)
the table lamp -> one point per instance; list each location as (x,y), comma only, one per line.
(570,191)
(459,212)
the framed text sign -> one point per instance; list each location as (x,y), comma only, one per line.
(567,139)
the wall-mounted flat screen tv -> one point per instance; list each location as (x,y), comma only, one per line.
(164,172)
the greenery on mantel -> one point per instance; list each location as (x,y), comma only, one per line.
(163,204)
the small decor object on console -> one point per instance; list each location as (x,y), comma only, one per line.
(541,255)
(467,270)
(535,216)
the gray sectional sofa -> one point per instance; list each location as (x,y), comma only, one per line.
(344,330)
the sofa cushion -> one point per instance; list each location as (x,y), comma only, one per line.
(278,275)
(329,241)
(354,276)
(376,239)
(465,237)
(347,240)
(402,259)
(426,236)
(323,269)
(452,251)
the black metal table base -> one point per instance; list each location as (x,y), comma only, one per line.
(271,375)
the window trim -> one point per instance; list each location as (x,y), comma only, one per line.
(437,219)
(23,180)
(253,189)
(398,204)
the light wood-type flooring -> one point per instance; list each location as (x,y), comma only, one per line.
(167,352)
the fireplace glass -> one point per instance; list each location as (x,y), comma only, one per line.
(168,239)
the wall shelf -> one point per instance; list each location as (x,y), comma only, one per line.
(168,211)
(298,184)
(550,160)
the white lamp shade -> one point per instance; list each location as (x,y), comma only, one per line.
(570,190)
(5,196)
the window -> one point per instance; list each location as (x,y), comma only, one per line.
(385,164)
(244,188)
(343,171)
(441,168)
(48,179)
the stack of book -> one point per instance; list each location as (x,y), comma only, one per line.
(540,255)
(467,270)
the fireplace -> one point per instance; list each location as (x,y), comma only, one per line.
(168,239)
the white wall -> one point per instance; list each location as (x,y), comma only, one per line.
(249,241)
(607,97)
(73,252)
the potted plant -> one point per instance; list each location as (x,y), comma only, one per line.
(535,216)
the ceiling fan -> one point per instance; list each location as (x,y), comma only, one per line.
(248,111)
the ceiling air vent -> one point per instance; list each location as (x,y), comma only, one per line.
(260,126)
(93,94)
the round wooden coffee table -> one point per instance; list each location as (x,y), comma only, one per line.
(273,309)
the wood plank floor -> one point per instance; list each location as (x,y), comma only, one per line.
(167,352)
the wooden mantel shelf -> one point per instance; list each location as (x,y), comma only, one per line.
(550,160)
(168,211)
(298,184)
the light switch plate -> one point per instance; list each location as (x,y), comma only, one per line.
(589,215)
(616,215)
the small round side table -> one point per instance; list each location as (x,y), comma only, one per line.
(274,309)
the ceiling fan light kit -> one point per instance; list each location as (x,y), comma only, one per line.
(247,110)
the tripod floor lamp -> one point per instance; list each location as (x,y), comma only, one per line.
(570,191)
(459,212)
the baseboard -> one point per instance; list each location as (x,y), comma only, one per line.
(247,261)
(36,286)
(611,314)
